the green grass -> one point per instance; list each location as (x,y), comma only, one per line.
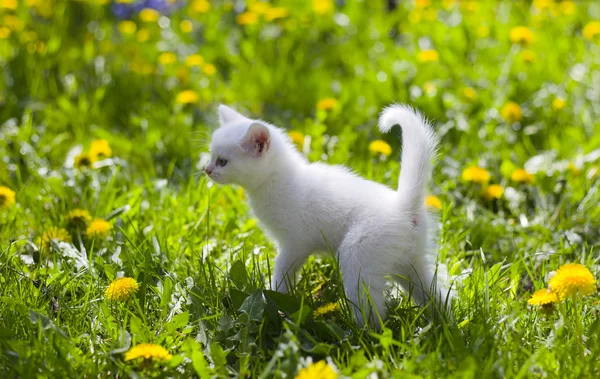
(199,256)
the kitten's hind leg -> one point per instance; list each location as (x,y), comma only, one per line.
(287,267)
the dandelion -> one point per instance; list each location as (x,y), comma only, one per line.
(327,308)
(422,3)
(8,4)
(84,160)
(148,351)
(493,191)
(433,202)
(194,60)
(297,138)
(521,35)
(322,7)
(542,4)
(200,6)
(127,27)
(167,58)
(380,147)
(475,174)
(567,7)
(142,35)
(4,33)
(572,278)
(7,197)
(149,15)
(98,228)
(275,13)
(247,18)
(100,149)
(53,234)
(469,93)
(78,217)
(259,7)
(511,112)
(522,176)
(319,370)
(186,26)
(543,297)
(121,289)
(209,69)
(429,55)
(327,104)
(187,97)
(591,30)
(558,104)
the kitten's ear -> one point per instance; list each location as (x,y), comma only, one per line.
(227,115)
(257,139)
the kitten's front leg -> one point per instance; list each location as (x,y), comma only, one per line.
(287,266)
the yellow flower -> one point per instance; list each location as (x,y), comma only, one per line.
(493,191)
(428,56)
(567,7)
(572,278)
(247,18)
(297,138)
(186,26)
(528,56)
(167,58)
(124,1)
(53,234)
(187,97)
(100,149)
(511,112)
(380,147)
(194,60)
(7,197)
(482,31)
(209,69)
(200,6)
(78,217)
(4,33)
(149,15)
(521,35)
(542,4)
(259,7)
(148,351)
(475,174)
(127,27)
(84,160)
(574,169)
(327,104)
(522,176)
(8,4)
(98,228)
(121,289)
(327,308)
(322,7)
(469,93)
(591,30)
(433,202)
(543,297)
(319,370)
(275,13)
(142,35)
(558,104)
(422,3)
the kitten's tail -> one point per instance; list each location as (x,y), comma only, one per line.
(418,149)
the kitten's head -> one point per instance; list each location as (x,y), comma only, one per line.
(240,150)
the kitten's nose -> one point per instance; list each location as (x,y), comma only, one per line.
(208,170)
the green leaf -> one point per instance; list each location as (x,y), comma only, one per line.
(285,302)
(254,306)
(179,321)
(238,274)
(237,297)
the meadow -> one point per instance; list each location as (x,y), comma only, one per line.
(118,258)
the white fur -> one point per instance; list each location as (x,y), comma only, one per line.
(316,208)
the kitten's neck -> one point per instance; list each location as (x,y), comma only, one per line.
(285,167)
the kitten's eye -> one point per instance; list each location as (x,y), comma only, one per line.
(221,162)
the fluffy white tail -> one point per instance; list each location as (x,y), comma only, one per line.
(418,149)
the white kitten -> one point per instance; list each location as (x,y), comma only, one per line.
(316,208)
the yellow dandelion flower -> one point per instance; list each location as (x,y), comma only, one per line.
(84,160)
(543,297)
(5,33)
(528,56)
(327,104)
(380,147)
(475,174)
(194,60)
(493,191)
(100,149)
(78,217)
(124,1)
(521,35)
(13,22)
(469,93)
(99,228)
(200,6)
(121,289)
(482,31)
(247,18)
(422,3)
(429,55)
(558,104)
(319,370)
(433,202)
(167,58)
(542,4)
(187,97)
(259,7)
(8,4)
(322,7)
(327,308)
(7,197)
(142,35)
(567,7)
(297,138)
(209,69)
(276,13)
(53,234)
(572,278)
(127,27)
(149,15)
(522,176)
(148,351)
(511,112)
(186,26)
(591,30)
